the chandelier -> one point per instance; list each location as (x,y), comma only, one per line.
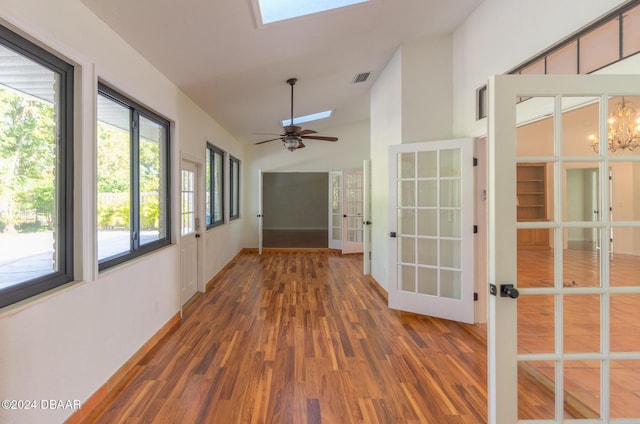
(624,129)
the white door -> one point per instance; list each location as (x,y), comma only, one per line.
(431,229)
(335,210)
(188,231)
(567,348)
(260,215)
(366,218)
(352,212)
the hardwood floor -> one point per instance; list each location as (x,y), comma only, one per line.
(303,337)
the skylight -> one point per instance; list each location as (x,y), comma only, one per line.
(306,118)
(279,10)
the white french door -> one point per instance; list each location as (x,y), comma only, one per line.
(563,340)
(189,231)
(352,212)
(431,229)
(335,210)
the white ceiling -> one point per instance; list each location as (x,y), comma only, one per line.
(236,70)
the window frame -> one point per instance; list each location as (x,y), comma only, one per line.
(64,171)
(234,188)
(212,151)
(136,111)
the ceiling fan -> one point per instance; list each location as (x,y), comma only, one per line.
(293,134)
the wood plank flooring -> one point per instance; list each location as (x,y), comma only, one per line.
(303,337)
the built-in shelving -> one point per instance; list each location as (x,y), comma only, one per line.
(532,202)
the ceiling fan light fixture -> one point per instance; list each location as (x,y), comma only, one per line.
(291,142)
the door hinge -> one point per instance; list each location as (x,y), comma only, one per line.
(475,297)
(475,229)
(475,161)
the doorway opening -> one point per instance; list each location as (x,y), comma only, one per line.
(295,208)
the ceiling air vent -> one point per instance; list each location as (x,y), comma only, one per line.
(362,77)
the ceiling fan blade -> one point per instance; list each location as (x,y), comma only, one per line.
(320,137)
(300,145)
(305,132)
(266,141)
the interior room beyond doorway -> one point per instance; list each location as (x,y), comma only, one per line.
(295,206)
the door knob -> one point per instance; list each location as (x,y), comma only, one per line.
(507,290)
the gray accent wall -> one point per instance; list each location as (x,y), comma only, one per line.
(295,200)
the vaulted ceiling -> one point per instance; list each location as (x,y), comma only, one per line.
(235,68)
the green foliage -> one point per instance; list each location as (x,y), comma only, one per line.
(114,151)
(27,156)
(150,213)
(113,214)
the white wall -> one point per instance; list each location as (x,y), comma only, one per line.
(348,152)
(410,102)
(66,343)
(427,83)
(386,130)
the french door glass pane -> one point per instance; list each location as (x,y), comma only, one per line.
(407,165)
(625,385)
(534,136)
(407,193)
(407,250)
(428,281)
(450,165)
(152,186)
(451,223)
(580,127)
(407,278)
(427,164)
(428,251)
(624,264)
(428,193)
(188,202)
(407,221)
(537,388)
(451,284)
(28,170)
(536,320)
(581,389)
(428,222)
(624,333)
(581,323)
(581,258)
(114,178)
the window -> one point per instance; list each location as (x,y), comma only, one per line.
(234,188)
(215,184)
(36,169)
(277,10)
(133,179)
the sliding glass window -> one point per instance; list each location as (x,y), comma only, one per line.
(36,169)
(133,179)
(214,186)
(234,188)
